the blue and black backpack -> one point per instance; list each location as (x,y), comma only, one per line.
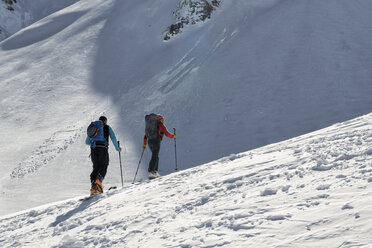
(96,132)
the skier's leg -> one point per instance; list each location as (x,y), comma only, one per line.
(104,162)
(155,148)
(102,169)
(95,160)
(157,161)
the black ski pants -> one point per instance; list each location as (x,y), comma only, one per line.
(154,145)
(100,160)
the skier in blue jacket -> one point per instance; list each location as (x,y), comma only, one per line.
(100,156)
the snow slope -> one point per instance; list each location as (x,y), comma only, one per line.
(310,191)
(257,72)
(21,13)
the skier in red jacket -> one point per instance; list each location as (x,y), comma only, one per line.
(154,144)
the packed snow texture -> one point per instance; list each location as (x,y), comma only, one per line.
(256,72)
(309,191)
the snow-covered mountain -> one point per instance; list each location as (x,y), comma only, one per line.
(17,14)
(254,73)
(310,191)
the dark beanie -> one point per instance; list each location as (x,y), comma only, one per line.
(103,118)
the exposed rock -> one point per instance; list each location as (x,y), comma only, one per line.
(10,2)
(190,12)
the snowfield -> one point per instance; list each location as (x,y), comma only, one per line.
(309,191)
(18,14)
(251,89)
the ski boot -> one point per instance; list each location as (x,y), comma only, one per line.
(94,189)
(153,175)
(99,186)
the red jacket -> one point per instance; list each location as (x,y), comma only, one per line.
(162,129)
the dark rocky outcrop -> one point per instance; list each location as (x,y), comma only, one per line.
(191,12)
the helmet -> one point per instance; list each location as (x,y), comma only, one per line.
(159,117)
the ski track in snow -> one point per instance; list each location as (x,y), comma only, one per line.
(49,150)
(290,194)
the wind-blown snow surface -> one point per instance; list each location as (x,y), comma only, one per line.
(257,72)
(310,191)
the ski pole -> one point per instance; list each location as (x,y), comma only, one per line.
(175,150)
(138,165)
(121,169)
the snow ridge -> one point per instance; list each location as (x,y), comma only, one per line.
(18,14)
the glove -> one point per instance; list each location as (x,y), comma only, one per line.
(174,136)
(143,146)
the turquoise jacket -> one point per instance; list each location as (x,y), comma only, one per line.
(112,137)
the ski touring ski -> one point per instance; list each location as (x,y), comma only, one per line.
(95,195)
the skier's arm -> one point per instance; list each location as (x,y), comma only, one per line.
(113,138)
(163,129)
(145,140)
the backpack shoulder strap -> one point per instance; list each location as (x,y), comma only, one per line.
(106,132)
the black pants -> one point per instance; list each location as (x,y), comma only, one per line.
(100,159)
(155,148)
